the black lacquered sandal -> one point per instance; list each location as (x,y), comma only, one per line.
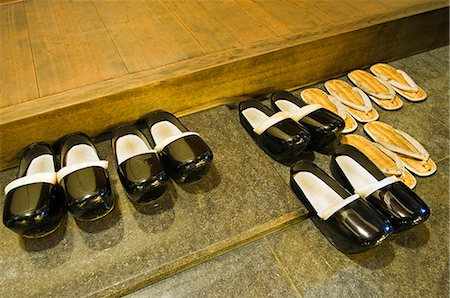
(138,166)
(325,127)
(277,134)
(184,155)
(393,198)
(348,222)
(84,178)
(34,204)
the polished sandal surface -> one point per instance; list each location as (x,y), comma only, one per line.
(138,166)
(34,204)
(393,198)
(277,134)
(184,154)
(348,222)
(84,178)
(325,126)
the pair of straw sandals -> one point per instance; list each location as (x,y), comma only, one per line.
(36,201)
(355,218)
(352,103)
(394,152)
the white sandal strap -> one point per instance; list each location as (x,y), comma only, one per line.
(326,213)
(389,96)
(305,111)
(367,107)
(415,143)
(398,162)
(411,87)
(64,171)
(272,120)
(30,179)
(366,191)
(342,112)
(160,146)
(423,153)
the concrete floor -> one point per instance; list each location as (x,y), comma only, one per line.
(299,261)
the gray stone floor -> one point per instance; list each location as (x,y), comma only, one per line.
(237,201)
(299,261)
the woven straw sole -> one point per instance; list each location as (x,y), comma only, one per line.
(388,134)
(345,91)
(392,74)
(364,79)
(317,96)
(390,105)
(378,157)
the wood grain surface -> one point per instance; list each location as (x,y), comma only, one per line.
(147,34)
(86,46)
(17,77)
(220,25)
(71,46)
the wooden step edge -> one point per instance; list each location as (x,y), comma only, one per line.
(282,68)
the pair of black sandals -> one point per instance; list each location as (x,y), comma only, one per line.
(145,165)
(291,128)
(36,201)
(357,209)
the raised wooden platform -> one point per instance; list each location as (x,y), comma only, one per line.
(89,65)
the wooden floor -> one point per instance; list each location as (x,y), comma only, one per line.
(52,46)
(59,54)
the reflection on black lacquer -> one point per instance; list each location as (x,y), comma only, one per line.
(36,209)
(143,176)
(325,127)
(186,159)
(284,141)
(88,190)
(402,206)
(353,228)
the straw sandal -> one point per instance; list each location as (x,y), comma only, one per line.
(413,155)
(387,161)
(352,169)
(317,96)
(400,81)
(379,90)
(355,101)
